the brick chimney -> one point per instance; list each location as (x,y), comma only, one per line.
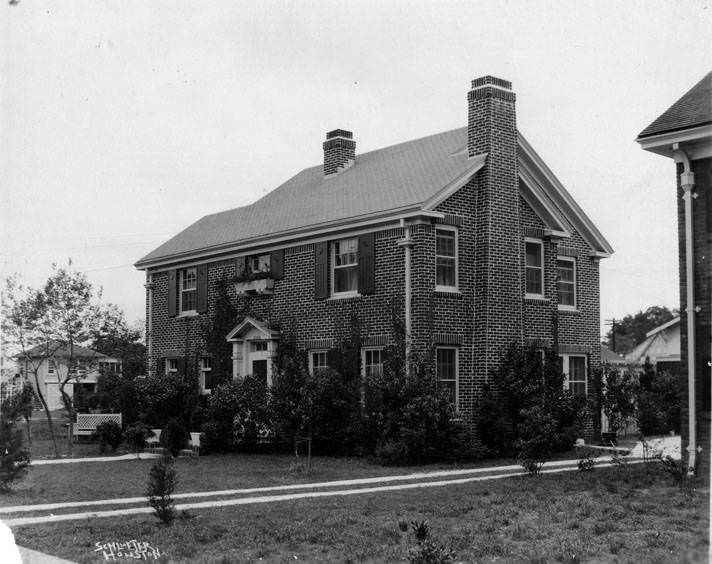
(339,151)
(492,130)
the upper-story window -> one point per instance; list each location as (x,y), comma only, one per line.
(566,282)
(344,272)
(445,259)
(534,265)
(188,293)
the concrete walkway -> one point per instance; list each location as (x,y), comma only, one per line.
(34,557)
(483,474)
(142,456)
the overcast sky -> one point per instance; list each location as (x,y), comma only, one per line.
(123,122)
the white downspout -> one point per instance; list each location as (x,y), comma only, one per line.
(687,182)
(149,324)
(407,244)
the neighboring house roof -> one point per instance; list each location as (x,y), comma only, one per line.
(61,351)
(610,357)
(693,109)
(411,177)
(662,344)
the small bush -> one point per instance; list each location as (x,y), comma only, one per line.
(108,433)
(426,551)
(587,459)
(175,437)
(14,457)
(161,485)
(534,443)
(135,436)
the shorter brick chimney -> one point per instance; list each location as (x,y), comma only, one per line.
(339,151)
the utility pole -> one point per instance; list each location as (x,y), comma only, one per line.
(612,323)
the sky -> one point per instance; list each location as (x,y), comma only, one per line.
(121,123)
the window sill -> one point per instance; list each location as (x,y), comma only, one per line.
(572,310)
(535,298)
(447,290)
(344,296)
(191,313)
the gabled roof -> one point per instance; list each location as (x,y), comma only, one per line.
(382,185)
(662,344)
(57,350)
(610,357)
(693,109)
(251,323)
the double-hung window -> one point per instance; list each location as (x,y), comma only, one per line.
(566,282)
(317,361)
(372,363)
(344,275)
(574,369)
(51,366)
(206,372)
(258,263)
(188,294)
(446,371)
(445,259)
(534,268)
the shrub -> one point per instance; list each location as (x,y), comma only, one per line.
(135,436)
(163,397)
(175,436)
(586,459)
(14,457)
(659,401)
(161,485)
(620,391)
(534,445)
(426,551)
(108,433)
(251,423)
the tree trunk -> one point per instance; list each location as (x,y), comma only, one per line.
(69,407)
(48,415)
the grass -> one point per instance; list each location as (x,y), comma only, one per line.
(633,514)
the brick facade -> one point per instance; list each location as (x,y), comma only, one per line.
(486,313)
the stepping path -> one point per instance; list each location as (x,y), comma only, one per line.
(413,481)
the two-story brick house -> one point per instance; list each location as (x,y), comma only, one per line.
(466,235)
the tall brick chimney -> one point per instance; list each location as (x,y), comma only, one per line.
(492,129)
(339,151)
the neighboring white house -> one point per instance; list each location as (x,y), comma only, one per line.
(661,346)
(52,365)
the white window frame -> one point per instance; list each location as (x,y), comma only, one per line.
(333,267)
(457,373)
(171,365)
(312,352)
(51,366)
(540,243)
(182,290)
(438,287)
(364,352)
(572,260)
(565,368)
(204,368)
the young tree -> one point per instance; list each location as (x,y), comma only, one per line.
(52,323)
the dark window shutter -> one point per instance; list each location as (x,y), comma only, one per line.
(366,263)
(201,305)
(180,364)
(240,263)
(321,271)
(276,264)
(172,292)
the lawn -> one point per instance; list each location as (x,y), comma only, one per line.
(633,514)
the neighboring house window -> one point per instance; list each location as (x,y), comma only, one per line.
(445,259)
(446,371)
(51,366)
(344,276)
(574,369)
(566,282)
(317,361)
(372,363)
(534,265)
(171,365)
(188,293)
(206,372)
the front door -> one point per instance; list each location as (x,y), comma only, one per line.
(259,370)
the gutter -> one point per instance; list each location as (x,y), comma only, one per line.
(687,182)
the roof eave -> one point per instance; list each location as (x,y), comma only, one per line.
(697,141)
